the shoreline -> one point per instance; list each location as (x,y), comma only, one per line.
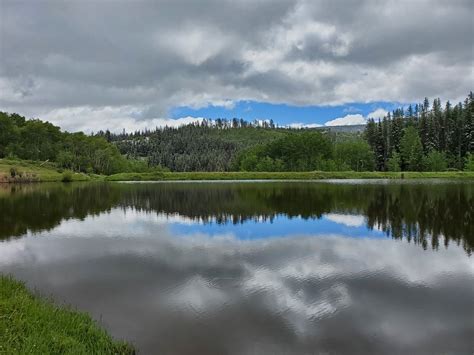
(31,172)
(282,176)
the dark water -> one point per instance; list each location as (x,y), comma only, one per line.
(254,268)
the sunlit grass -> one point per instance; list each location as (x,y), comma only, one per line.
(48,172)
(42,171)
(311,175)
(32,325)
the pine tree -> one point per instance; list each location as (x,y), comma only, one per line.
(380,155)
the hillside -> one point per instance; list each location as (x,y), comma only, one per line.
(198,147)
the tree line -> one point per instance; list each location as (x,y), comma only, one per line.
(424,137)
(233,145)
(201,146)
(421,137)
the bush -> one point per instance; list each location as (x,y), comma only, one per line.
(67,176)
(14,172)
(354,154)
(394,162)
(435,161)
(469,162)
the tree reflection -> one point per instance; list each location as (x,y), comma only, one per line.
(426,214)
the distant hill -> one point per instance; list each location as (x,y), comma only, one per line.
(209,146)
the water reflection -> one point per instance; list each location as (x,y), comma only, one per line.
(242,273)
(425,213)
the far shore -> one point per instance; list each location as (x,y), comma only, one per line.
(28,171)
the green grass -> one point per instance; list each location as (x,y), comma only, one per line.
(48,172)
(32,325)
(45,172)
(312,175)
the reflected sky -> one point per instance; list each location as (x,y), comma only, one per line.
(171,284)
(353,226)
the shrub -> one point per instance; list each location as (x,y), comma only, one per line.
(394,162)
(469,162)
(14,172)
(67,176)
(435,161)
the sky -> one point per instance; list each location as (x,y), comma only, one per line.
(90,65)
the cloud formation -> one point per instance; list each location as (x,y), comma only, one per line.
(347,120)
(147,57)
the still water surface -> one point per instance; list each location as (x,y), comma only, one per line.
(254,268)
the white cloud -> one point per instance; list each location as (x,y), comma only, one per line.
(378,114)
(346,219)
(347,120)
(88,119)
(356,119)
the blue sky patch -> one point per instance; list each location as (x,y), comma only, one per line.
(283,114)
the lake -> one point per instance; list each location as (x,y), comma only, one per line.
(333,267)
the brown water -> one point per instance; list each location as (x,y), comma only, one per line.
(347,267)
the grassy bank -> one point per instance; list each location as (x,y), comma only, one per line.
(314,175)
(34,171)
(32,325)
(30,171)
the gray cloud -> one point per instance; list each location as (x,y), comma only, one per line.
(113,58)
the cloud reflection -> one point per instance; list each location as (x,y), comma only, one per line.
(222,294)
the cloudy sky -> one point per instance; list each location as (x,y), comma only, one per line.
(89,65)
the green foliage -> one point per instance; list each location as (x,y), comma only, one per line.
(308,151)
(469,163)
(8,134)
(355,154)
(435,161)
(90,154)
(449,131)
(34,171)
(195,147)
(294,152)
(42,141)
(31,325)
(67,176)
(14,172)
(394,163)
(411,150)
(285,175)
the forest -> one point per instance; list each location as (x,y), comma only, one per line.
(42,141)
(421,137)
